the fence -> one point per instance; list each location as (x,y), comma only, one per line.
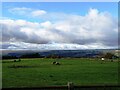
(71,86)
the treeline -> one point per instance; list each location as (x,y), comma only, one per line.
(9,57)
(110,56)
(37,55)
(32,55)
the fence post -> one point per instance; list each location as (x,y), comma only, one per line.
(70,86)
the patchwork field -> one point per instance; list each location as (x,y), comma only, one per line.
(41,72)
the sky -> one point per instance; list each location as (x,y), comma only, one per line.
(59,26)
(60,0)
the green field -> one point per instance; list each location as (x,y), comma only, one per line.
(41,72)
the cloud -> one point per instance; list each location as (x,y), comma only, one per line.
(27,11)
(38,13)
(20,11)
(49,46)
(94,30)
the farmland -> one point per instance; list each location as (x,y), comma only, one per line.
(41,72)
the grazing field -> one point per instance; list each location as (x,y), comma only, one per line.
(41,72)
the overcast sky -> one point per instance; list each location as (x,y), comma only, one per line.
(63,26)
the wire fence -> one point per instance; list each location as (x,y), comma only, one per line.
(71,86)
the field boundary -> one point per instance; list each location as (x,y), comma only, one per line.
(70,86)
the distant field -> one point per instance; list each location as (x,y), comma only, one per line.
(41,72)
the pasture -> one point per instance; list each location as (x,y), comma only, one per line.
(41,72)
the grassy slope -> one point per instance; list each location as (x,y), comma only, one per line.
(41,72)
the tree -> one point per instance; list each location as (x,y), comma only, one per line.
(109,55)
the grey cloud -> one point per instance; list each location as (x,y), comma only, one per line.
(93,28)
(12,33)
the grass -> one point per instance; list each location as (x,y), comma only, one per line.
(41,72)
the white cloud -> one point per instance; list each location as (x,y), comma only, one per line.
(46,24)
(20,10)
(27,11)
(38,13)
(50,46)
(94,30)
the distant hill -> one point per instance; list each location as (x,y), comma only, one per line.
(71,53)
(60,53)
